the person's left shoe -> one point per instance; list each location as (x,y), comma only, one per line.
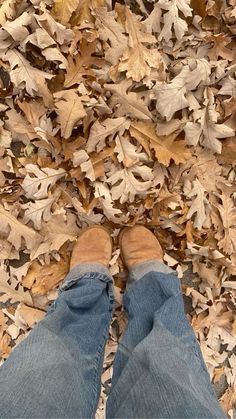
(93,246)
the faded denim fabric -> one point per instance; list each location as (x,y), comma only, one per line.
(158,371)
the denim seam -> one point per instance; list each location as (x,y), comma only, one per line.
(101,347)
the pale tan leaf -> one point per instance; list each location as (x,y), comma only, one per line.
(37,182)
(165,147)
(17,28)
(30,316)
(70,111)
(38,211)
(127,152)
(63,9)
(199,203)
(9,293)
(100,131)
(110,29)
(22,73)
(80,66)
(137,59)
(57,31)
(226,225)
(127,103)
(126,185)
(7,10)
(15,231)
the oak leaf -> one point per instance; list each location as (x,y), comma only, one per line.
(63,9)
(38,211)
(37,182)
(172,19)
(8,291)
(219,49)
(69,109)
(100,131)
(127,153)
(126,185)
(15,231)
(79,66)
(58,31)
(205,129)
(29,315)
(110,30)
(199,204)
(22,73)
(7,10)
(165,147)
(103,193)
(225,224)
(127,103)
(81,159)
(17,28)
(40,38)
(41,279)
(137,59)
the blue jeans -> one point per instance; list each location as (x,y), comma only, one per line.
(159,371)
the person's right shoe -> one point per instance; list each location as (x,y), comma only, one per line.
(139,245)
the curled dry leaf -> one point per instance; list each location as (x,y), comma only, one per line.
(69,109)
(165,147)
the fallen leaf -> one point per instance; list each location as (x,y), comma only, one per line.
(165,147)
(22,73)
(69,109)
(128,104)
(30,316)
(199,203)
(79,66)
(63,9)
(125,185)
(37,182)
(100,131)
(15,231)
(41,279)
(137,59)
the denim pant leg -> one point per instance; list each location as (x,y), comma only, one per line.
(56,371)
(159,371)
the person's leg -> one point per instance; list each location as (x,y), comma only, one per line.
(56,371)
(159,371)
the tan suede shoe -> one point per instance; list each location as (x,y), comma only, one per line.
(93,246)
(138,245)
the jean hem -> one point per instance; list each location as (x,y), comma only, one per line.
(82,269)
(138,271)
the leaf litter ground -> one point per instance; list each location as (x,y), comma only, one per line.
(119,114)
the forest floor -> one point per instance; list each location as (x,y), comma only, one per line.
(120,113)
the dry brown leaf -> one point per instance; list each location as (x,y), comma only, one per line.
(225,223)
(107,129)
(5,347)
(70,111)
(79,66)
(22,73)
(166,148)
(219,49)
(127,103)
(30,316)
(110,30)
(63,9)
(15,231)
(7,10)
(137,59)
(42,279)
